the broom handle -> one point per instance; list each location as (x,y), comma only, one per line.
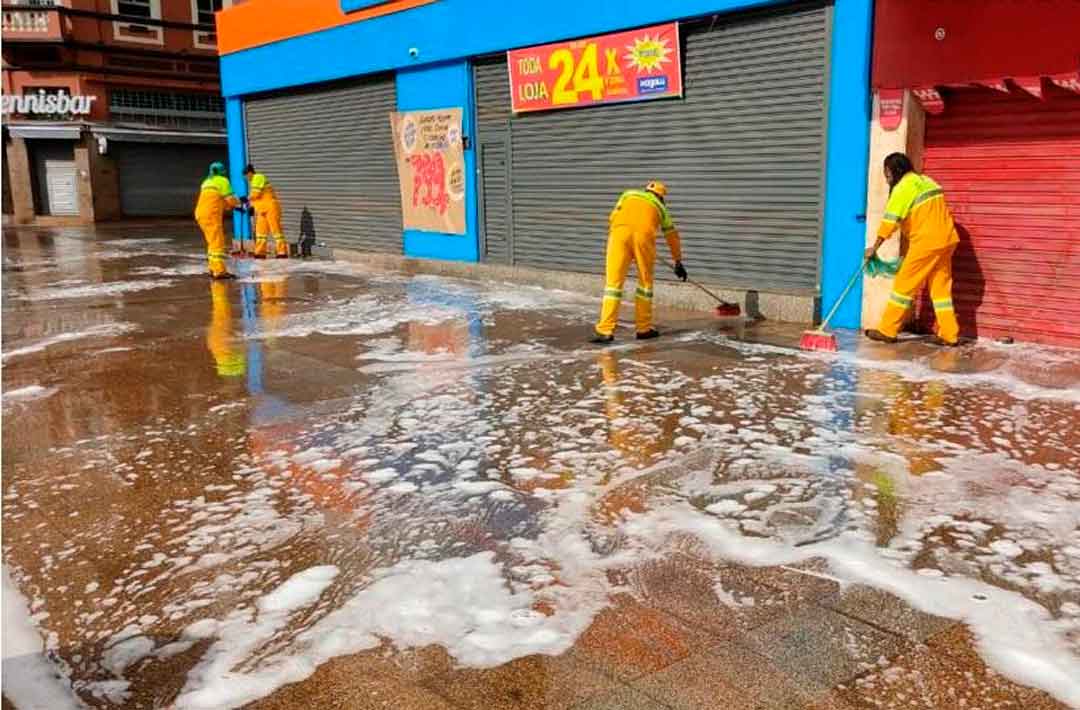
(714,296)
(836,306)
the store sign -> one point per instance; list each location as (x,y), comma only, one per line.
(431,169)
(44,103)
(890,108)
(639,65)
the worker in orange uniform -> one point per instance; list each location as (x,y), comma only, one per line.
(917,205)
(215,199)
(632,228)
(267,215)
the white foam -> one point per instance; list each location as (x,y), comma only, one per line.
(110,288)
(1016,636)
(462,604)
(183,270)
(298,591)
(30,680)
(28,393)
(105,330)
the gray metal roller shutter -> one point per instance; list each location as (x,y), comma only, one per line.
(147,190)
(742,154)
(329,149)
(493,131)
(54,169)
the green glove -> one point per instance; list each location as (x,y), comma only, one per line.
(880,267)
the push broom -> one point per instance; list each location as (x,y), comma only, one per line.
(725,309)
(818,339)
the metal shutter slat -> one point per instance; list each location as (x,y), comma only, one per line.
(148,191)
(1009,168)
(742,153)
(329,149)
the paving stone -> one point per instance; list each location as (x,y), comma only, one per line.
(818,645)
(548,682)
(731,676)
(367,681)
(624,698)
(691,589)
(628,639)
(923,678)
(888,612)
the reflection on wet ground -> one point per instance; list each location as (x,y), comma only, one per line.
(327,486)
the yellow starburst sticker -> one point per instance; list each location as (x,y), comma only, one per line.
(648,54)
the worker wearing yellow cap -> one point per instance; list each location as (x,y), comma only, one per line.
(632,228)
(267,215)
(917,206)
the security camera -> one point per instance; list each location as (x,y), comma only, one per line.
(414,52)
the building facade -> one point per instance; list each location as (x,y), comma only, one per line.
(991,110)
(764,153)
(146,70)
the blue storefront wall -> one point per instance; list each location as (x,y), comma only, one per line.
(430,48)
(444,86)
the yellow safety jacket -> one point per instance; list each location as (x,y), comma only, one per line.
(262,192)
(215,196)
(645,214)
(917,205)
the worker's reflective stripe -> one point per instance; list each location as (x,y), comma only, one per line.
(613,293)
(665,218)
(890,217)
(216,255)
(219,184)
(900,299)
(928,195)
(943,305)
(645,293)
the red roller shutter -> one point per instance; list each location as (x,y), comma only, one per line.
(1010,166)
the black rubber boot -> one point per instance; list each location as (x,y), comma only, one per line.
(601,339)
(879,336)
(649,334)
(937,340)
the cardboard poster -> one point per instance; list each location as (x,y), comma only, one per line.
(431,169)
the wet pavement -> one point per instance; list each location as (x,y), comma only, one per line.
(323,486)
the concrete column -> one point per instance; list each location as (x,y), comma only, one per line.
(908,138)
(105,181)
(84,187)
(20,177)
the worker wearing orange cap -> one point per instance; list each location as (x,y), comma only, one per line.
(632,228)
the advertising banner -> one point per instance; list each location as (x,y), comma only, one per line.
(639,65)
(431,169)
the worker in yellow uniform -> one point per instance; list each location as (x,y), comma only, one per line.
(215,199)
(632,228)
(917,205)
(227,353)
(267,215)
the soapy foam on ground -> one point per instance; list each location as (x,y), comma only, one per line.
(102,290)
(105,330)
(430,453)
(30,680)
(28,393)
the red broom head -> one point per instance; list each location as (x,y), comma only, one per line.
(726,310)
(818,340)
